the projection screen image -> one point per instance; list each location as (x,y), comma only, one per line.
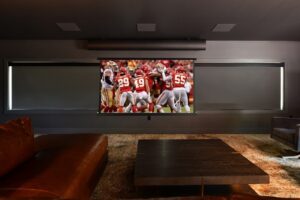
(146,86)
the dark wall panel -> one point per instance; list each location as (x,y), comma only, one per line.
(217,87)
(55,87)
(237,87)
(202,122)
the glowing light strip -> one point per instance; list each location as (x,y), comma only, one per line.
(9,87)
(281,88)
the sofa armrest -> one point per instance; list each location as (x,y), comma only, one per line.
(297,138)
(67,166)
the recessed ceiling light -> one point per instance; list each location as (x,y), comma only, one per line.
(146,27)
(223,27)
(68,26)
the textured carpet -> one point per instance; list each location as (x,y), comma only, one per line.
(117,179)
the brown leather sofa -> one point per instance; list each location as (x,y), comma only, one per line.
(287,131)
(63,166)
(233,197)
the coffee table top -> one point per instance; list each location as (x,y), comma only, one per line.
(193,162)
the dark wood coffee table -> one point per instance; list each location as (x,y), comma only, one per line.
(193,162)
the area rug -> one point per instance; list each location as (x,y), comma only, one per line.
(117,179)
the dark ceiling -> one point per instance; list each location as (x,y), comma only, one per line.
(175,19)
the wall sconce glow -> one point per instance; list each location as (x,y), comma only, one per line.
(281,88)
(10,88)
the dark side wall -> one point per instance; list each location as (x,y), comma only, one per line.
(201,122)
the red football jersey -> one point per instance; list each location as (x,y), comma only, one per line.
(124,83)
(179,79)
(140,84)
(150,80)
(167,85)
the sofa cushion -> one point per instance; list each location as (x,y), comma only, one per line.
(285,134)
(16,143)
(66,166)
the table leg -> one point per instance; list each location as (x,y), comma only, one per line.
(202,188)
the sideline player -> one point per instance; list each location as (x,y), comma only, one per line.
(124,82)
(107,87)
(180,90)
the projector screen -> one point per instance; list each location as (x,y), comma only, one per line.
(146,86)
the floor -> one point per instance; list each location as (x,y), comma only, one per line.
(117,180)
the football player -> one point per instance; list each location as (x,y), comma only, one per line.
(189,86)
(167,96)
(142,89)
(156,76)
(147,72)
(107,88)
(152,76)
(131,66)
(180,90)
(124,83)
